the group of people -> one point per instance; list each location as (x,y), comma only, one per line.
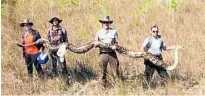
(58,35)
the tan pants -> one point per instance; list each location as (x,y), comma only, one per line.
(111,59)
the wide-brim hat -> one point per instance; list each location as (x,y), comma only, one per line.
(55,18)
(26,21)
(106,20)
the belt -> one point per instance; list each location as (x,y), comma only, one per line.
(157,55)
(107,52)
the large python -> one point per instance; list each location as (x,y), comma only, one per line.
(120,50)
(153,59)
(126,52)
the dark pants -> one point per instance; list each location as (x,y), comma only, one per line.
(111,58)
(150,69)
(59,69)
(30,60)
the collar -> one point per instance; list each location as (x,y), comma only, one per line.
(29,31)
(58,27)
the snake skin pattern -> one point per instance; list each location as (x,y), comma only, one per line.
(120,50)
(80,50)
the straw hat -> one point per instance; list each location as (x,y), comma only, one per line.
(106,20)
(55,18)
(25,22)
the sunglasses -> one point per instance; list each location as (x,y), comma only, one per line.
(155,31)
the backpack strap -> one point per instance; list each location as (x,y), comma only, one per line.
(162,42)
(149,42)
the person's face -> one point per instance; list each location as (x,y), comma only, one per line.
(105,25)
(27,27)
(55,22)
(154,32)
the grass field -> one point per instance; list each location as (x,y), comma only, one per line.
(180,23)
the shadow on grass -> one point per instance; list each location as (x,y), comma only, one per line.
(82,73)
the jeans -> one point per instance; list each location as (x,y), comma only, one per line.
(150,69)
(57,67)
(30,60)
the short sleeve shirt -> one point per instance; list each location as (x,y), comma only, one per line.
(109,36)
(156,45)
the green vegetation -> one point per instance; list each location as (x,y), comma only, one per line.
(145,6)
(68,2)
(174,5)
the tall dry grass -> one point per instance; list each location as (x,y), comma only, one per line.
(185,27)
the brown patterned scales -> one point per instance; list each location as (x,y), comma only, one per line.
(121,50)
(152,58)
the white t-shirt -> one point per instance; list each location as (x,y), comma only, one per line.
(154,45)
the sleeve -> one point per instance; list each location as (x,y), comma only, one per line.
(22,41)
(38,36)
(163,46)
(39,45)
(65,36)
(48,35)
(116,37)
(96,37)
(145,43)
(22,38)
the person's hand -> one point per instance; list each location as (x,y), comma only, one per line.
(177,47)
(174,47)
(96,43)
(19,44)
(113,47)
(16,42)
(41,50)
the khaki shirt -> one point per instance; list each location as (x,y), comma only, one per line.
(109,36)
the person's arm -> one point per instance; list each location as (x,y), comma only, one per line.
(23,48)
(38,36)
(96,37)
(65,35)
(170,47)
(144,45)
(48,36)
(20,44)
(39,44)
(165,47)
(115,46)
(116,39)
(96,43)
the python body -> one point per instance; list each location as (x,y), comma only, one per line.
(121,50)
(126,52)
